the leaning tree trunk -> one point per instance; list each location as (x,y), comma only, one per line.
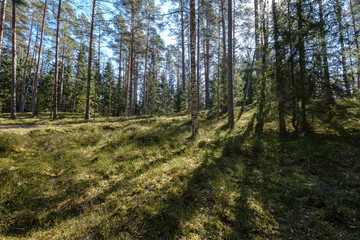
(87,111)
(13,83)
(23,85)
(55,106)
(2,25)
(194,111)
(35,82)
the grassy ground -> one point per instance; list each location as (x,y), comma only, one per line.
(141,178)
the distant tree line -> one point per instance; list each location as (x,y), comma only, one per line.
(54,57)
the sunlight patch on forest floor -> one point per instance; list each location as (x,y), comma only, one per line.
(142,178)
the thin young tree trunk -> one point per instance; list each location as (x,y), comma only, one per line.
(62,79)
(2,25)
(131,60)
(110,92)
(207,73)
(224,60)
(13,83)
(35,82)
(182,46)
(77,76)
(356,42)
(135,87)
(23,86)
(218,73)
(87,111)
(119,80)
(257,55)
(194,111)
(145,69)
(230,67)
(55,106)
(198,58)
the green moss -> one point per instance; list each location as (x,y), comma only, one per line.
(141,178)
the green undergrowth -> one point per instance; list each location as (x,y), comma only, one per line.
(143,178)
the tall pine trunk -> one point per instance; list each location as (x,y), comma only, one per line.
(280,86)
(13,82)
(145,71)
(182,46)
(131,61)
(87,111)
(341,39)
(62,79)
(2,25)
(23,85)
(224,60)
(119,80)
(36,78)
(327,86)
(198,58)
(302,74)
(194,111)
(356,42)
(230,67)
(55,95)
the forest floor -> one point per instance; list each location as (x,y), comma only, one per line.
(142,178)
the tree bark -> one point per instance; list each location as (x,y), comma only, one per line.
(198,58)
(23,86)
(327,86)
(62,79)
(87,111)
(279,78)
(55,103)
(2,25)
(356,42)
(13,83)
(194,111)
(341,39)
(302,73)
(35,82)
(230,67)
(257,55)
(131,60)
(145,71)
(224,60)
(135,87)
(119,80)
(182,46)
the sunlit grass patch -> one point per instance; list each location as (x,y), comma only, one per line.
(142,178)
